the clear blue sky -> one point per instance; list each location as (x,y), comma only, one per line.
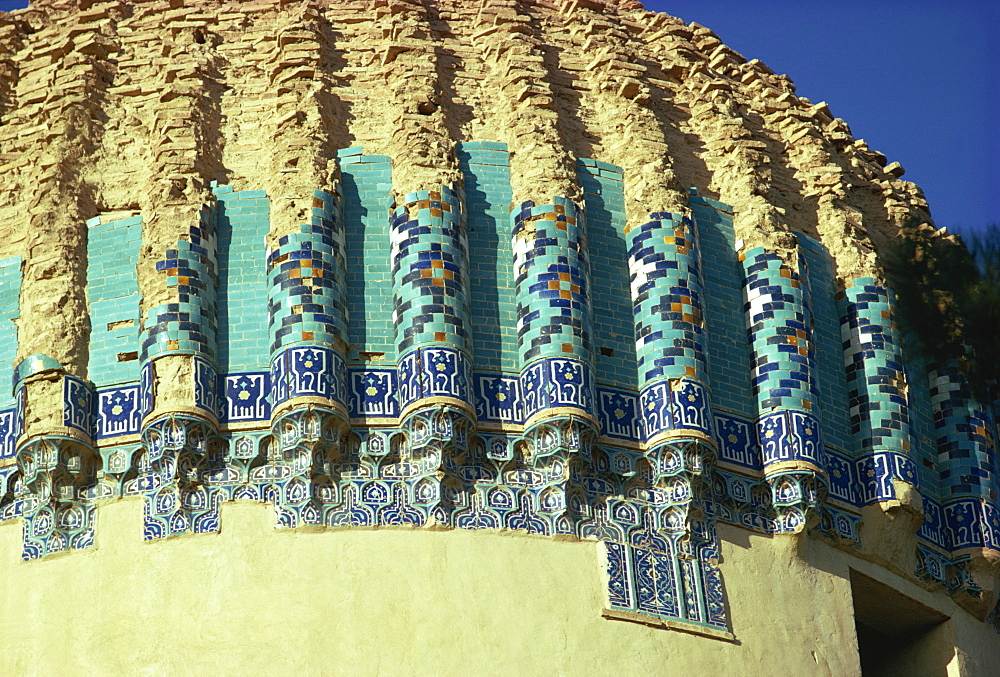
(917,79)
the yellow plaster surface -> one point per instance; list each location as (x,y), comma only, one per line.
(252,600)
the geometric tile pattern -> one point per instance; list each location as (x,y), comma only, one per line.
(880,416)
(307,313)
(669,325)
(965,438)
(186,325)
(206,386)
(305,275)
(56,473)
(666,291)
(429,255)
(780,334)
(550,259)
(430,296)
(374,393)
(790,436)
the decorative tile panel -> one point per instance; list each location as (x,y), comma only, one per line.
(308,371)
(498,398)
(206,394)
(875,472)
(557,382)
(118,412)
(374,392)
(737,440)
(78,404)
(8,433)
(618,412)
(244,397)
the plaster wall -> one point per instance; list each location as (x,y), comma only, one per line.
(252,600)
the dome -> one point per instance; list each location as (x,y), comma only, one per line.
(437,336)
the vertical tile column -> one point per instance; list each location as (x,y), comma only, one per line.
(431,318)
(780,332)
(177,273)
(877,389)
(671,351)
(307,324)
(186,324)
(665,270)
(178,384)
(554,327)
(55,453)
(967,460)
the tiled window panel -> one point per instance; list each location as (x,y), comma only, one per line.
(10,292)
(613,329)
(113,295)
(831,384)
(242,225)
(366,182)
(728,350)
(493,311)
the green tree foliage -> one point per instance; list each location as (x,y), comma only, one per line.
(948,295)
